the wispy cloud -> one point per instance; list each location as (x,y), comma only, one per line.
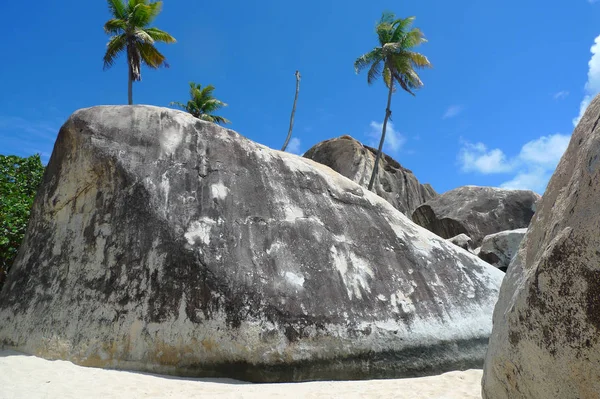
(560,95)
(26,137)
(393,139)
(294,146)
(453,111)
(592,86)
(532,167)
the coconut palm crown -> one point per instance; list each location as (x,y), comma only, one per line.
(131,34)
(202,104)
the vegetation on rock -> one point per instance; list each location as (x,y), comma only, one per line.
(202,104)
(19,181)
(131,34)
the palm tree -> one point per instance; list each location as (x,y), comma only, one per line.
(397,62)
(202,104)
(131,34)
(289,136)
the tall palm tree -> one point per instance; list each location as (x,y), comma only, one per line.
(397,62)
(202,104)
(131,34)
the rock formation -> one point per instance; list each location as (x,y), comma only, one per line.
(546,337)
(163,243)
(463,241)
(395,184)
(498,249)
(476,212)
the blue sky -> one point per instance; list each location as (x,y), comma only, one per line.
(497,109)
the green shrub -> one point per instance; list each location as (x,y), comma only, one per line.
(19,181)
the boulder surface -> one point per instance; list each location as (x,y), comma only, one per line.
(163,243)
(546,337)
(463,241)
(498,249)
(394,183)
(476,212)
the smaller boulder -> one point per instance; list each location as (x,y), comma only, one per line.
(498,249)
(463,241)
(477,212)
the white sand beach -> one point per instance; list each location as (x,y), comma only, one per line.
(29,377)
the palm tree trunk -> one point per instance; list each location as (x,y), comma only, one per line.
(388,112)
(130,77)
(130,86)
(289,136)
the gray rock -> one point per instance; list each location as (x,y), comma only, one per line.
(546,337)
(163,243)
(394,183)
(463,241)
(498,249)
(476,212)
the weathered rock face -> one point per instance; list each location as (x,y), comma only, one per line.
(163,243)
(463,241)
(546,337)
(498,249)
(396,184)
(476,212)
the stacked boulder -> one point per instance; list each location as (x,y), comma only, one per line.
(394,183)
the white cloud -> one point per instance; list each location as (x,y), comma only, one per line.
(477,158)
(533,166)
(393,139)
(294,146)
(545,151)
(534,179)
(592,86)
(453,111)
(560,95)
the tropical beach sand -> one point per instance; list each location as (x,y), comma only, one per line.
(23,376)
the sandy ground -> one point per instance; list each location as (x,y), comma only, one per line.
(23,376)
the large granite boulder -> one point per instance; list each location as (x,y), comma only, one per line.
(498,249)
(163,243)
(394,183)
(476,212)
(546,337)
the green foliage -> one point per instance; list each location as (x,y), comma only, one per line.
(19,181)
(202,104)
(131,34)
(395,58)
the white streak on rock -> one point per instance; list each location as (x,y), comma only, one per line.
(199,231)
(219,191)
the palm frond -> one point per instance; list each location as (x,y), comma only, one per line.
(159,35)
(401,26)
(154,9)
(117,9)
(143,36)
(115,26)
(114,47)
(418,60)
(374,72)
(412,39)
(140,14)
(150,55)
(366,60)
